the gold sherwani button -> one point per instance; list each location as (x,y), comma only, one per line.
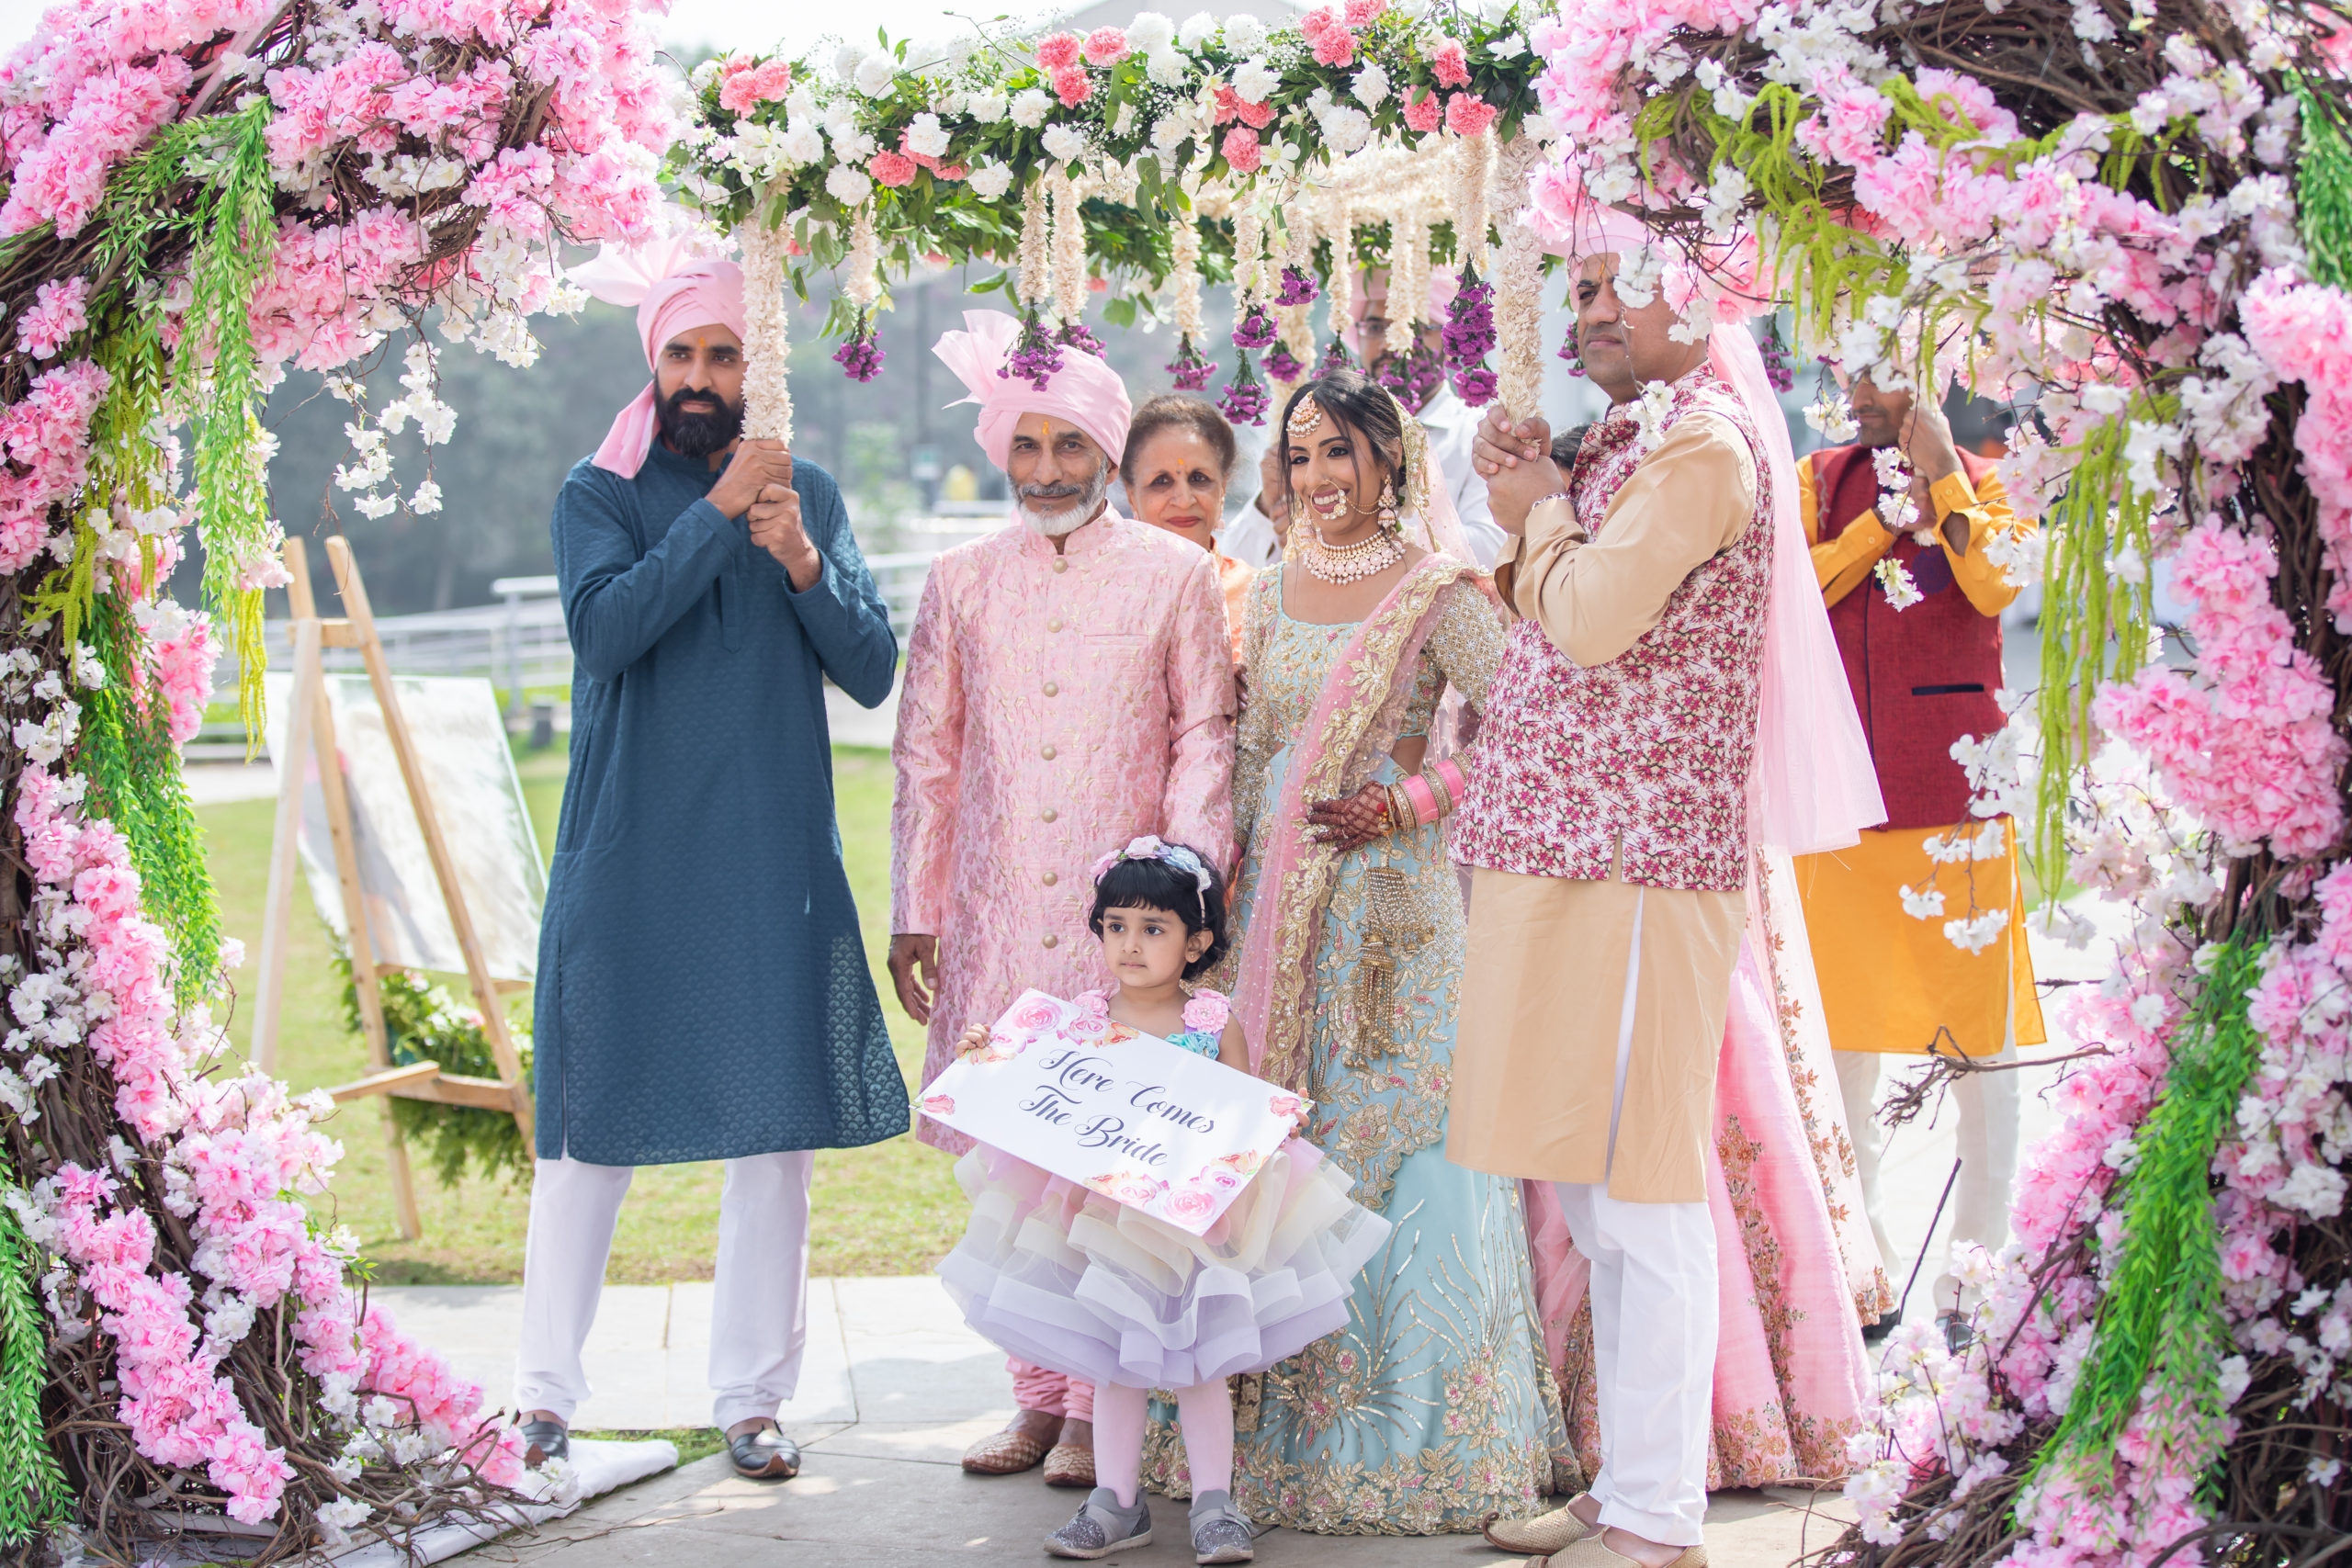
(1061,563)
(1054,625)
(1048,814)
(1052,941)
(1052,877)
(1048,753)
(1053,690)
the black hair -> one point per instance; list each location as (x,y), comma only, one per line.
(1566,444)
(1179,411)
(1357,402)
(1156,885)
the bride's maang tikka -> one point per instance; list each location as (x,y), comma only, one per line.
(1304,415)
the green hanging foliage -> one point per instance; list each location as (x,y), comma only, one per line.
(2161,1321)
(2323,191)
(235,223)
(424,1022)
(33,1493)
(126,754)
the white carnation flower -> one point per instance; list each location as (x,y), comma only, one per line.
(1371,86)
(1029,108)
(847,59)
(1166,68)
(926,136)
(1065,142)
(1151,31)
(1244,35)
(875,74)
(848,185)
(991,181)
(1254,80)
(1346,129)
(802,144)
(986,107)
(1198,28)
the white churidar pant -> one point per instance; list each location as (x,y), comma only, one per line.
(1986,1132)
(759,1320)
(1655,1316)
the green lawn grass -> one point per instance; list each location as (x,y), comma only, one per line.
(892,1208)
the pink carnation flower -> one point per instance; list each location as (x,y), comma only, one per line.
(1424,111)
(891,168)
(1072,86)
(1058,52)
(745,84)
(1450,63)
(1364,13)
(1467,116)
(1106,46)
(1242,150)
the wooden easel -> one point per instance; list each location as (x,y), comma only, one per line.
(310,728)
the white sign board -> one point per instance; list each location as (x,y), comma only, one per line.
(461,742)
(1142,1122)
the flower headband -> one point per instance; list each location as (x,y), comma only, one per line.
(1152,847)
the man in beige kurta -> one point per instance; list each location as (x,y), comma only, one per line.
(1605,823)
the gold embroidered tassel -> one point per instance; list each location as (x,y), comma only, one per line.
(1395,924)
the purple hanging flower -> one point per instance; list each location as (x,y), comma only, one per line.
(1283,365)
(1412,376)
(1076,335)
(1255,330)
(1335,358)
(861,357)
(1189,368)
(1574,354)
(1244,398)
(1299,287)
(1469,336)
(1035,359)
(1778,370)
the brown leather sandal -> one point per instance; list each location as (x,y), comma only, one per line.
(1069,1465)
(1004,1453)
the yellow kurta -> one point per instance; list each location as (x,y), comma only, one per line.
(1889,982)
(1544,985)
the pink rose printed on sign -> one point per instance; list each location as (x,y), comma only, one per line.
(1243,1165)
(1035,1016)
(1130,1186)
(1190,1206)
(1289,1106)
(939,1105)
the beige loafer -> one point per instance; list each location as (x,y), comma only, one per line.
(1069,1465)
(1542,1535)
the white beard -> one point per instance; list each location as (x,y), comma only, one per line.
(1070,518)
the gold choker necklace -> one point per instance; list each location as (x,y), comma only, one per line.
(1368,556)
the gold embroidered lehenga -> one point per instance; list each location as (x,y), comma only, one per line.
(1436,1406)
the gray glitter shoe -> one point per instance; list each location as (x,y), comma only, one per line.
(1220,1530)
(1102,1528)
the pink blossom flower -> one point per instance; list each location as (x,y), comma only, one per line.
(1106,46)
(1072,86)
(1364,13)
(1206,1011)
(1242,150)
(1058,52)
(746,83)
(57,313)
(891,168)
(1424,111)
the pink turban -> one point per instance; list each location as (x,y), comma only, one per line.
(1085,391)
(673,289)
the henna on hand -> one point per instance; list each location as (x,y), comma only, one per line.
(1351,822)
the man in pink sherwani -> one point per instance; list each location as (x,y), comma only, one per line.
(1068,687)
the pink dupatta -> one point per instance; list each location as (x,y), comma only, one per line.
(1353,726)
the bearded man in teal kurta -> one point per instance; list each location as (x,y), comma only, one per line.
(703,993)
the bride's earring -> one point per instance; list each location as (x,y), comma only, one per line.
(1388,504)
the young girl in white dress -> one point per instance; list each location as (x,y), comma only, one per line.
(1065,1277)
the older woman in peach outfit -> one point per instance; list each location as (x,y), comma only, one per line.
(1180,458)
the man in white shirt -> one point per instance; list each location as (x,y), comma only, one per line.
(1254,537)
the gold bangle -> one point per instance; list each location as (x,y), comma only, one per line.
(1400,807)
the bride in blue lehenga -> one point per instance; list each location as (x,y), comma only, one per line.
(1436,1406)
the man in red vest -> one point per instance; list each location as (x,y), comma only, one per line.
(1900,524)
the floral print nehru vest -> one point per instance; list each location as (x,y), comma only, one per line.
(1650,751)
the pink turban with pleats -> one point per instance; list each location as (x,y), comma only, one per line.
(1085,391)
(674,288)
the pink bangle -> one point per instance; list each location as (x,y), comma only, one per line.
(1424,799)
(1450,779)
